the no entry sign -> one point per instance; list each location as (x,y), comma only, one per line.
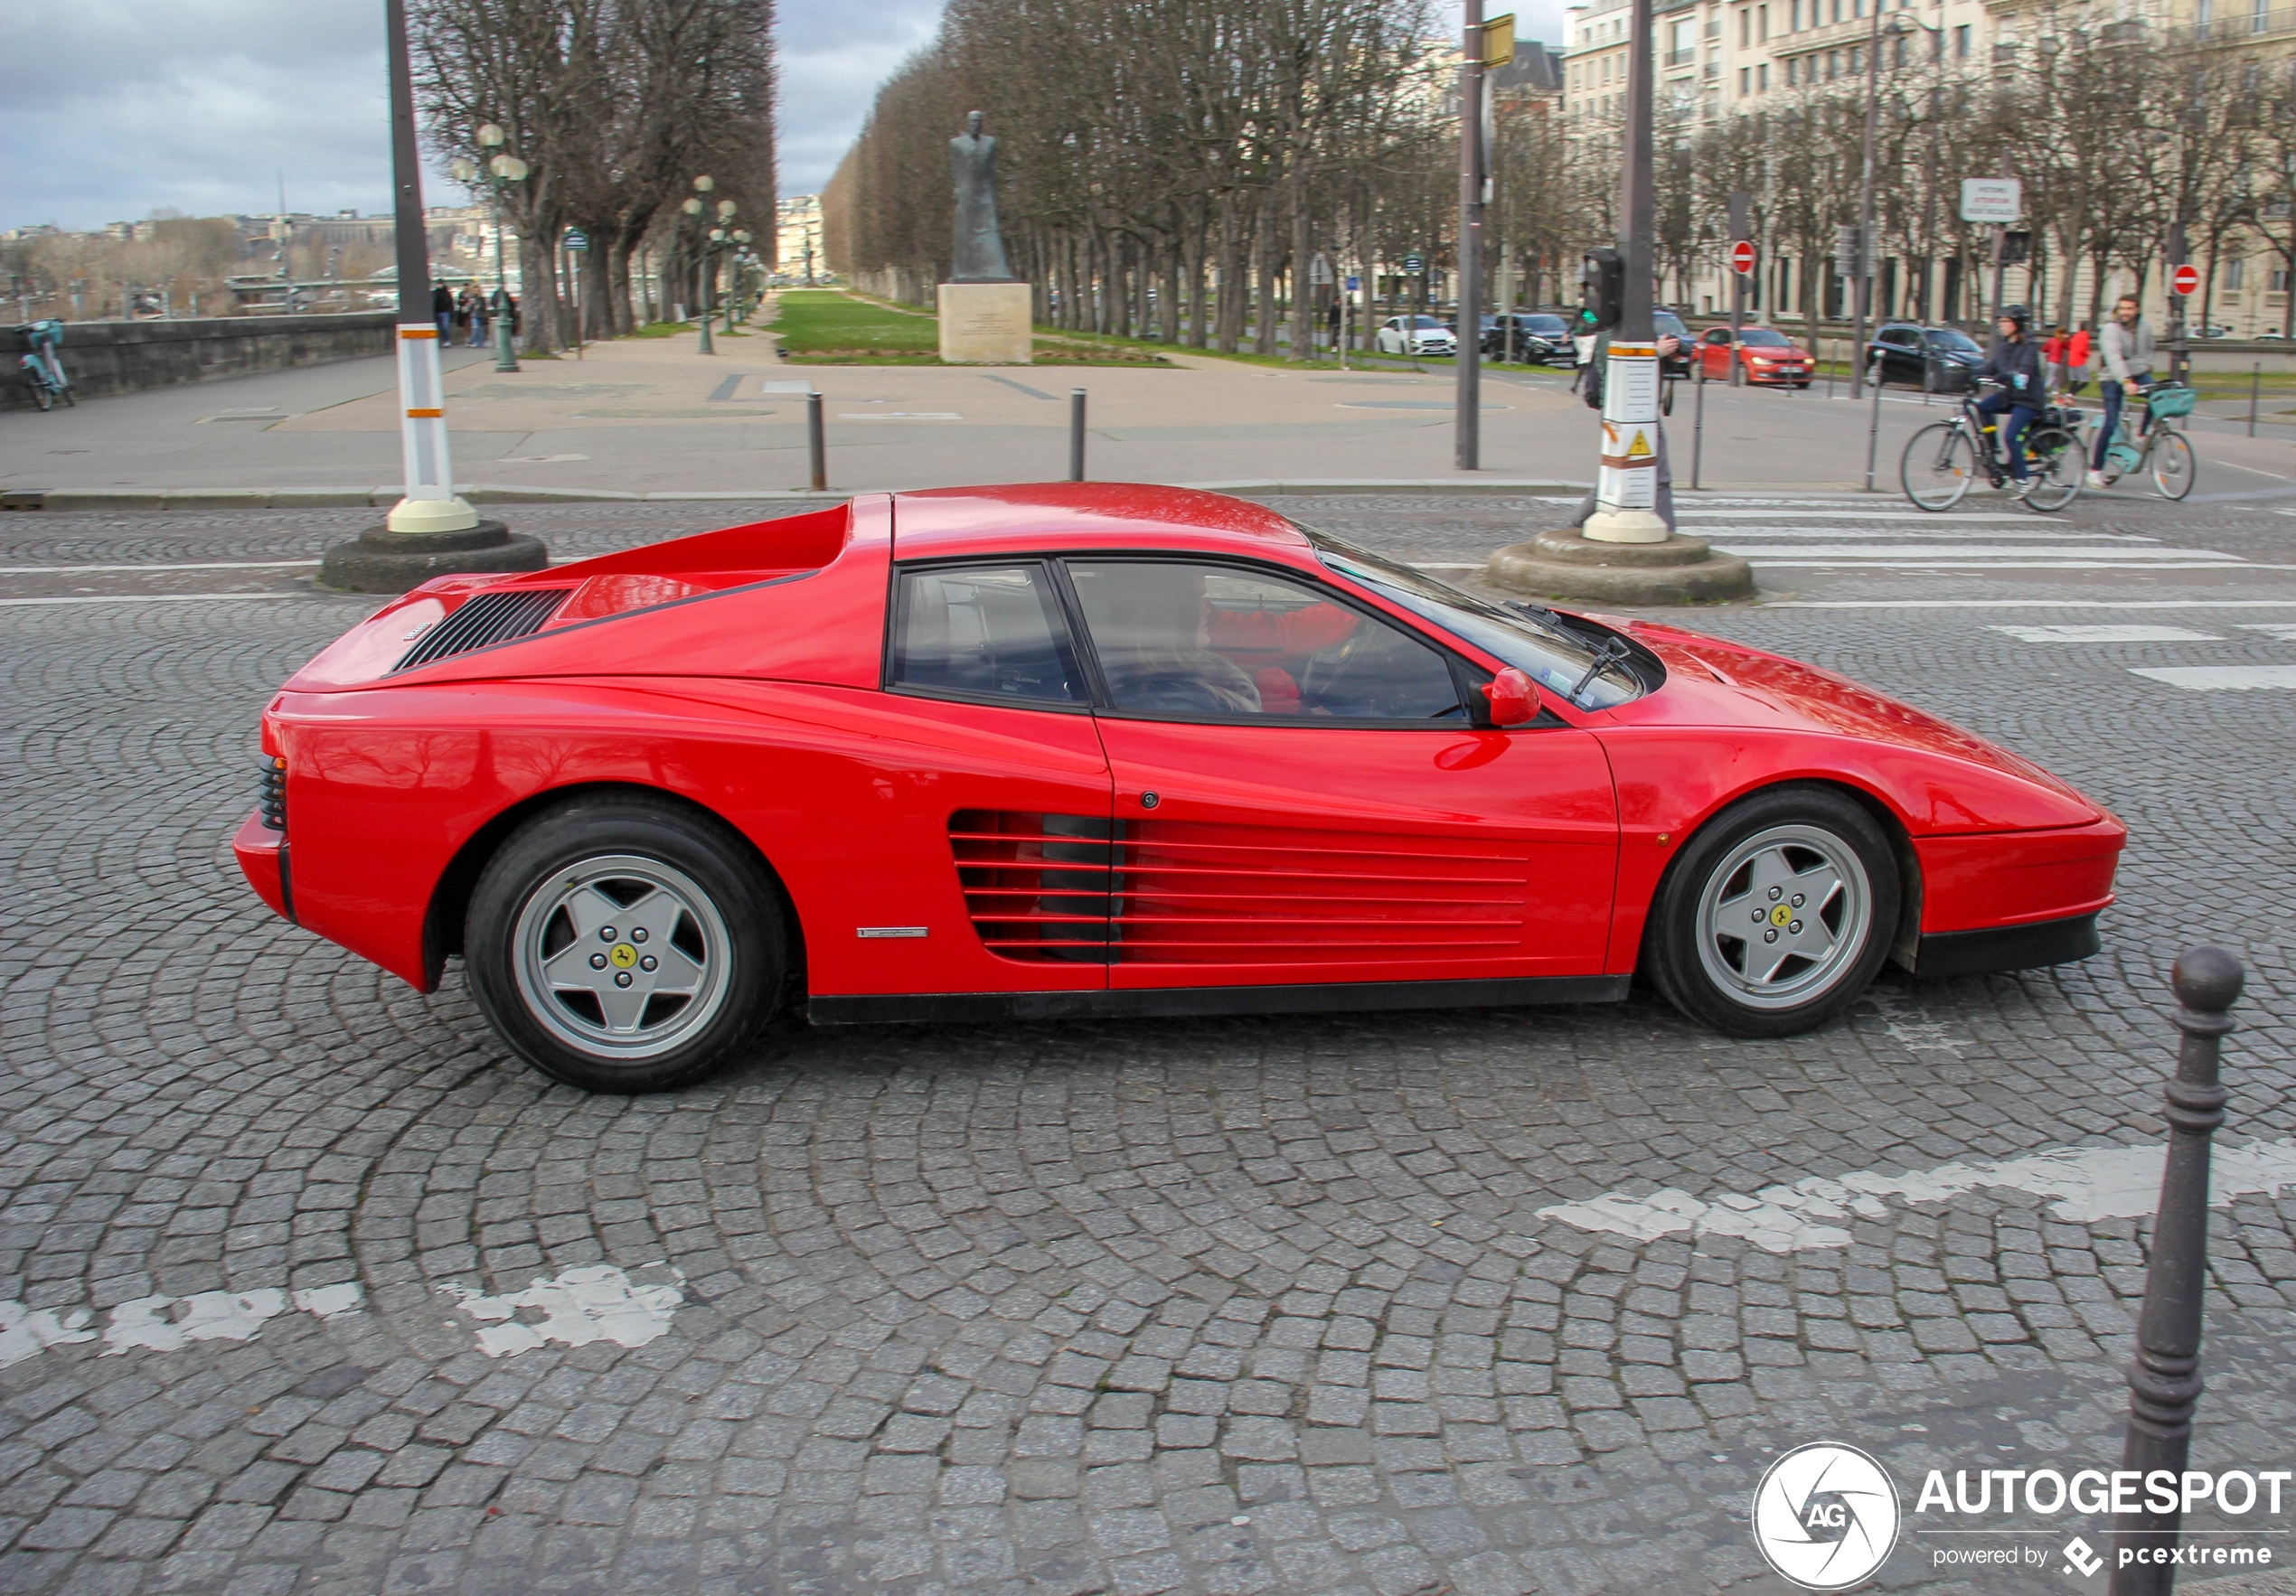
(1742,258)
(2185,280)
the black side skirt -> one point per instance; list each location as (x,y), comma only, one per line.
(1947,954)
(1170,1003)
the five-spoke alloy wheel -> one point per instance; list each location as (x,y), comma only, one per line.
(1776,915)
(623,945)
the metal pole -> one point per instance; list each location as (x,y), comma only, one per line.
(1626,503)
(2179,339)
(2255,387)
(1741,218)
(1861,282)
(709,299)
(1873,427)
(505,352)
(2164,1379)
(1075,435)
(816,446)
(1467,428)
(1697,419)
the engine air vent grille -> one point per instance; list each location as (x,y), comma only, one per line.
(484,620)
(1036,885)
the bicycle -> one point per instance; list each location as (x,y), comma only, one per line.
(2165,451)
(1944,458)
(41,370)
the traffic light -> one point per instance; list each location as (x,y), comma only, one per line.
(2017,248)
(1602,280)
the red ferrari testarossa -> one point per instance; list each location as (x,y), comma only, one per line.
(1109,750)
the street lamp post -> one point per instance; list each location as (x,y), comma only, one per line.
(724,234)
(1626,483)
(502,168)
(741,271)
(693,207)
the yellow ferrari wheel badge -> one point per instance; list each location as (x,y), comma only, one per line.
(624,955)
(1778,917)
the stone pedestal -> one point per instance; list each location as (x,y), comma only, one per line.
(985,323)
(379,560)
(1566,565)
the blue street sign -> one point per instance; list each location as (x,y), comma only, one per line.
(1354,284)
(576,239)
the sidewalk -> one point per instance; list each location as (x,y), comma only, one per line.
(654,416)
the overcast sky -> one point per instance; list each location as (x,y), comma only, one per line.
(116,108)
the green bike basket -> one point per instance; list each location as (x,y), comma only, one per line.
(2171,401)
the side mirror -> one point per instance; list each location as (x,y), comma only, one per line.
(1514,697)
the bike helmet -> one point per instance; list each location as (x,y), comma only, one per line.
(2020,314)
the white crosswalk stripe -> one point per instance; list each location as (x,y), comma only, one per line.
(1829,534)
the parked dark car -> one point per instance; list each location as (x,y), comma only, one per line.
(1542,339)
(1938,359)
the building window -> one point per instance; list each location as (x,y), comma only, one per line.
(1745,81)
(2280,280)
(1960,43)
(2204,12)
(2234,274)
(1762,24)
(1745,28)
(1794,16)
(1762,79)
(2260,18)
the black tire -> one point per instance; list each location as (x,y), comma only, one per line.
(1814,835)
(71,398)
(2057,467)
(2173,471)
(1665,396)
(663,880)
(41,397)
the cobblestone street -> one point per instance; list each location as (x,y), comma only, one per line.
(307,1286)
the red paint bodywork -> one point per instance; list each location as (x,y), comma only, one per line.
(742,669)
(1772,365)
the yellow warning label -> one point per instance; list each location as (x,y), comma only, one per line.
(1641,448)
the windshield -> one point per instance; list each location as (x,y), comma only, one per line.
(1424,322)
(1946,338)
(1665,323)
(1764,338)
(1529,638)
(1542,324)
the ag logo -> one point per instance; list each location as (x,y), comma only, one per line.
(1825,1517)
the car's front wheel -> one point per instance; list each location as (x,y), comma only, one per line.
(622,944)
(1777,916)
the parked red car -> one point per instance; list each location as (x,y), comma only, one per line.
(1106,750)
(1768,355)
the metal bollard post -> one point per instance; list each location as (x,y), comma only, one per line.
(1075,435)
(816,444)
(1873,424)
(1697,422)
(2255,382)
(2164,1380)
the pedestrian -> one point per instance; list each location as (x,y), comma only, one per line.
(2124,351)
(2053,353)
(1589,382)
(2079,348)
(477,319)
(1331,322)
(442,310)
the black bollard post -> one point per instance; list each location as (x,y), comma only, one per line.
(2255,387)
(1075,435)
(816,444)
(1697,422)
(2164,1380)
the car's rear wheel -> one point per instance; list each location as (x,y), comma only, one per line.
(622,944)
(1776,917)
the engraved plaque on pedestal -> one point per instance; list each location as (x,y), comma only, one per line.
(985,323)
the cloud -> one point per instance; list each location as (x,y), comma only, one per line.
(833,56)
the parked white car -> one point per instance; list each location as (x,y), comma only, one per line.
(1415,335)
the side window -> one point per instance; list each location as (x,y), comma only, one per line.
(1186,642)
(985,632)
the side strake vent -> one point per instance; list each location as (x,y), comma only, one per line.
(1036,885)
(485,619)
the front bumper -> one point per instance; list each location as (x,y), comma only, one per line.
(262,853)
(1942,954)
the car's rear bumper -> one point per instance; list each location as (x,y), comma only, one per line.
(1942,954)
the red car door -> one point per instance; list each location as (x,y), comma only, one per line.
(1300,797)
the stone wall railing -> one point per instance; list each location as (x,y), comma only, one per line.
(104,358)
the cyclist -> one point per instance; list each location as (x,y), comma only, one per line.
(2015,364)
(2125,349)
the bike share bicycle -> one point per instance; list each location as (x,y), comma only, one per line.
(2162,450)
(1945,458)
(43,370)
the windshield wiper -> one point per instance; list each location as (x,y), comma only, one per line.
(1613,650)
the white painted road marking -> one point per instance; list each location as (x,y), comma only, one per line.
(2088,1184)
(95,571)
(165,1324)
(2139,634)
(598,1302)
(2285,631)
(2222,677)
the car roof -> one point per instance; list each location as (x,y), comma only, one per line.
(1028,517)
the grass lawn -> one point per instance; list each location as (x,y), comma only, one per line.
(826,327)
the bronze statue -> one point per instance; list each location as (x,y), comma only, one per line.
(977,242)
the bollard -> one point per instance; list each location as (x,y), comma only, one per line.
(1873,424)
(816,446)
(2164,1379)
(1075,435)
(1698,423)
(2255,382)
